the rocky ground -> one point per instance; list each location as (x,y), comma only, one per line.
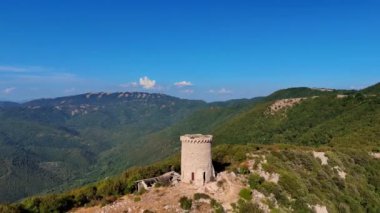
(166,199)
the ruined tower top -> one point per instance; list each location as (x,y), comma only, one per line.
(196,138)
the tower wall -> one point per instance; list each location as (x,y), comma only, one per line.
(196,161)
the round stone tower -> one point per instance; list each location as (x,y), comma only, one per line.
(196,162)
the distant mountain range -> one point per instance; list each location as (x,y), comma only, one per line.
(52,144)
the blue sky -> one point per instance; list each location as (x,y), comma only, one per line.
(211,50)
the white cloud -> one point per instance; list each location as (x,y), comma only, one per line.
(147,83)
(222,91)
(8,90)
(183,84)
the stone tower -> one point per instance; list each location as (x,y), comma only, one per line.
(196,162)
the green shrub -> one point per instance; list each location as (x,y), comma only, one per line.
(255,180)
(110,187)
(198,196)
(247,207)
(243,170)
(185,203)
(218,208)
(293,184)
(301,205)
(246,194)
(9,209)
(84,195)
(31,204)
(55,203)
(268,188)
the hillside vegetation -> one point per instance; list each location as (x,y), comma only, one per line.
(53,144)
(304,181)
(49,145)
(325,120)
(372,90)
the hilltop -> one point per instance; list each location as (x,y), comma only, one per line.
(372,90)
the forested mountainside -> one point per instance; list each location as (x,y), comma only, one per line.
(65,142)
(372,90)
(49,142)
(324,120)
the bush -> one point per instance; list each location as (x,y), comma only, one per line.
(246,194)
(243,170)
(268,187)
(198,196)
(255,180)
(293,184)
(84,195)
(32,204)
(186,203)
(248,207)
(9,209)
(55,203)
(218,208)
